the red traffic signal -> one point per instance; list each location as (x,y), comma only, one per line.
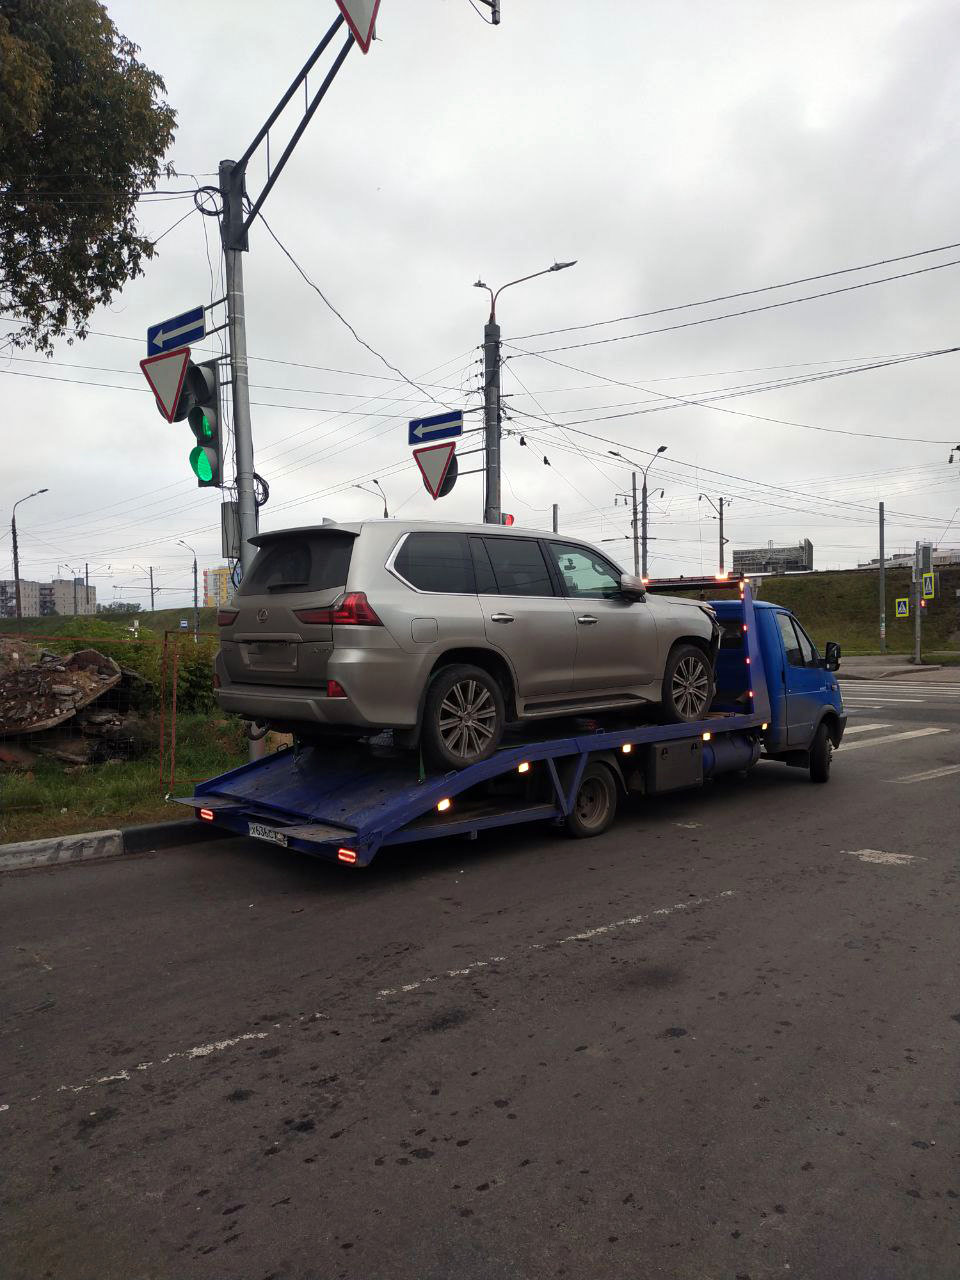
(505,518)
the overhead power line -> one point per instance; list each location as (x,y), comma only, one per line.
(742,293)
(750,311)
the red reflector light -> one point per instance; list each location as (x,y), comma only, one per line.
(206,815)
(226,617)
(354,610)
(347,855)
(335,689)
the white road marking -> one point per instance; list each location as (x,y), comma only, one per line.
(4,1106)
(884,859)
(930,774)
(893,702)
(890,737)
(862,728)
(199,1051)
(585,936)
(688,826)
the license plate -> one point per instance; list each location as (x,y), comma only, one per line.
(260,832)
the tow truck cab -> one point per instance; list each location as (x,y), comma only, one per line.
(803,687)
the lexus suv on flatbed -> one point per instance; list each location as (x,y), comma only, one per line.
(446,632)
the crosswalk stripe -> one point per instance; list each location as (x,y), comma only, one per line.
(862,728)
(891,737)
(930,774)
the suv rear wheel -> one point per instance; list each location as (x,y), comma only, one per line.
(463,717)
(688,684)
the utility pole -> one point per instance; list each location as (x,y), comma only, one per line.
(491,394)
(491,421)
(917,597)
(86,587)
(196,603)
(556,517)
(718,508)
(883,590)
(662,448)
(16,565)
(633,524)
(151,588)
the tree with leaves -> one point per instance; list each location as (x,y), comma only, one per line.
(83,131)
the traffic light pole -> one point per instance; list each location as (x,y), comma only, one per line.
(231,187)
(917,612)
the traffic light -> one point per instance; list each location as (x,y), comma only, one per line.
(506,518)
(199,403)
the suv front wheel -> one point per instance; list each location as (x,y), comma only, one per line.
(463,717)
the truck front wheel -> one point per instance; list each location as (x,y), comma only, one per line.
(821,754)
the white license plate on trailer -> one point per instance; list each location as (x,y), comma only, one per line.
(260,832)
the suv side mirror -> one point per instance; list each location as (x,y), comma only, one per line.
(632,587)
(832,659)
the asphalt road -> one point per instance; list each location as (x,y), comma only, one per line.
(721,1041)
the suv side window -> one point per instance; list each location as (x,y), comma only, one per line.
(790,641)
(519,566)
(585,575)
(436,562)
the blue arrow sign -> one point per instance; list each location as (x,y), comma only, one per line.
(179,331)
(442,426)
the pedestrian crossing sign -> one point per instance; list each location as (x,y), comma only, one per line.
(928,586)
(903,608)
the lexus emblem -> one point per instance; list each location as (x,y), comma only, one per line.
(262,615)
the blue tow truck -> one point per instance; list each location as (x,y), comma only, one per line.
(776,699)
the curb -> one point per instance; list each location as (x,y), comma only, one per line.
(889,672)
(89,846)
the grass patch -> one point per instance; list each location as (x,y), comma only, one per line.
(50,800)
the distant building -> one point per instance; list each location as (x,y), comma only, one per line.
(217,587)
(771,559)
(65,596)
(904,559)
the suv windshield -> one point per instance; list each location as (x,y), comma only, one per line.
(300,562)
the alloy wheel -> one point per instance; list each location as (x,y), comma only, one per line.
(467,719)
(690,688)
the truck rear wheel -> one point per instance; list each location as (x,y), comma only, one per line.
(821,754)
(595,804)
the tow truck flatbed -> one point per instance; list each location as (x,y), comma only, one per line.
(344,802)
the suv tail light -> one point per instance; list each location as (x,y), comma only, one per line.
(354,610)
(226,617)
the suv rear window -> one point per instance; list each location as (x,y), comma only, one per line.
(436,562)
(300,562)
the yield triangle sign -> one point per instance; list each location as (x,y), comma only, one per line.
(360,16)
(434,463)
(165,373)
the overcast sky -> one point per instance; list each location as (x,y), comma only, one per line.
(678,152)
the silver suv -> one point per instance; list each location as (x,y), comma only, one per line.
(449,631)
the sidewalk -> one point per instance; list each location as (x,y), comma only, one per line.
(880,666)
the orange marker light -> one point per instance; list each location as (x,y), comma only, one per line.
(523,767)
(347,855)
(627,748)
(707,737)
(206,815)
(764,726)
(443,805)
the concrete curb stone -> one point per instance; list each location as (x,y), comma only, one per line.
(88,846)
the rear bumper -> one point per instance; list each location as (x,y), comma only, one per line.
(383,689)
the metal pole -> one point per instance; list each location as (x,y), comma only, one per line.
(916,606)
(231,185)
(151,588)
(634,526)
(556,517)
(196,606)
(721,538)
(16,564)
(883,590)
(643,523)
(491,421)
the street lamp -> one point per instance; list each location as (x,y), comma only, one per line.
(491,392)
(381,494)
(662,448)
(16,551)
(196,603)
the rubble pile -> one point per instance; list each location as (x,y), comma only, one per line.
(73,707)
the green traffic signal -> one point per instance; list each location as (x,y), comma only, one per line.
(202,464)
